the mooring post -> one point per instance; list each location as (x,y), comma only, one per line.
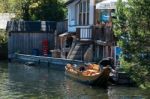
(39,61)
(55,39)
(48,63)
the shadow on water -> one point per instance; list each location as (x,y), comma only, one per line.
(3,51)
(42,82)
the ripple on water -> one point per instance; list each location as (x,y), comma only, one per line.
(22,82)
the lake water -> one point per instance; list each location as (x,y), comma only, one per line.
(18,81)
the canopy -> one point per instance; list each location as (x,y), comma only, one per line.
(107,4)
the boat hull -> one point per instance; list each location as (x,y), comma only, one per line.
(95,80)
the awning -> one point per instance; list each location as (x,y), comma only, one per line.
(107,4)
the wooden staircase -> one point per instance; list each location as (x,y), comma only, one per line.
(77,51)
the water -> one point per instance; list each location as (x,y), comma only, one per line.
(18,81)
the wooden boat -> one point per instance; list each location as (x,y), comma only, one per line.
(92,74)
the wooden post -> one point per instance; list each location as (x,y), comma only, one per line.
(61,44)
(55,38)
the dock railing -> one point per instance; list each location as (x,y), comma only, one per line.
(90,33)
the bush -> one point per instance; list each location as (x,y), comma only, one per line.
(132,30)
(3,45)
(3,37)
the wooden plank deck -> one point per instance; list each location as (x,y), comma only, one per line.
(43,59)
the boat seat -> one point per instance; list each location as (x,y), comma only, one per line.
(93,67)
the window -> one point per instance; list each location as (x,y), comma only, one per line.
(83,15)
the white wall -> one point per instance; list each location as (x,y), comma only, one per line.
(72,17)
(91,12)
(4,17)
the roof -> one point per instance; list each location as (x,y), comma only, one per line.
(31,26)
(69,1)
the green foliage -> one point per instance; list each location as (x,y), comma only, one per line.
(7,6)
(132,28)
(47,10)
(3,5)
(3,37)
(52,10)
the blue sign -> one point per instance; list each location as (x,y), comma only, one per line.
(104,15)
(118,51)
(105,18)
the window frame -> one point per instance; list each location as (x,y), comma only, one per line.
(82,13)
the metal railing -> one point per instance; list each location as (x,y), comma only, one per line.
(85,33)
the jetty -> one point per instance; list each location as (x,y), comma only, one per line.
(44,59)
(120,78)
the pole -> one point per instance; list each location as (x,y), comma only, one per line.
(55,37)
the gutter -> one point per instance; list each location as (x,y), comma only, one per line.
(71,1)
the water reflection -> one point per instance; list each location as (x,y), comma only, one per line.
(19,81)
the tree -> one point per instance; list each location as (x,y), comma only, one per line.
(7,6)
(51,10)
(3,6)
(132,28)
(3,37)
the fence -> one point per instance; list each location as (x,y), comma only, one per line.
(24,36)
(25,42)
(103,34)
(61,27)
(95,33)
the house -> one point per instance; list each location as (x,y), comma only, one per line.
(91,30)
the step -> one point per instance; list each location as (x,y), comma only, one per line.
(78,51)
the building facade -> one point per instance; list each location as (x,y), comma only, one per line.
(91,30)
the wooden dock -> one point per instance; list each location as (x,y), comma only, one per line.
(44,59)
(121,78)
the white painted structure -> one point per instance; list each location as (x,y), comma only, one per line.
(85,34)
(82,18)
(91,12)
(4,18)
(73,14)
(108,4)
